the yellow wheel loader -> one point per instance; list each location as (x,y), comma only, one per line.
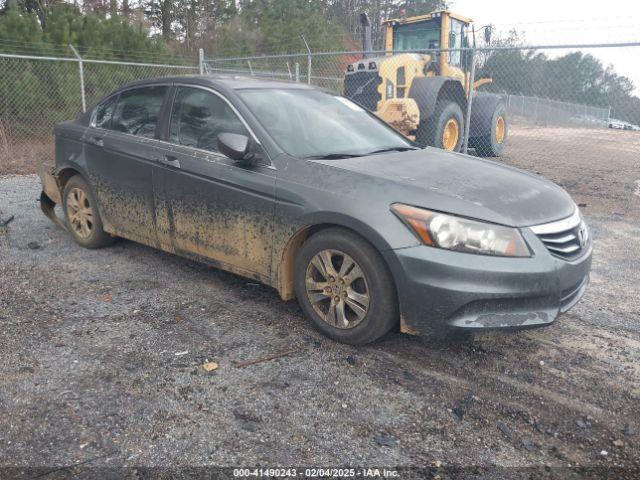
(424,95)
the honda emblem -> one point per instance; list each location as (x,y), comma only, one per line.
(583,235)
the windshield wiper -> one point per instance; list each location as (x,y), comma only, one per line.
(338,156)
(393,149)
(333,156)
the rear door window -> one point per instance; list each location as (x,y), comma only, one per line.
(198,117)
(138,110)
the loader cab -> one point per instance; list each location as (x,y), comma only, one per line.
(434,31)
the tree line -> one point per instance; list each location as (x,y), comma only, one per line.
(173,31)
(574,77)
(181,27)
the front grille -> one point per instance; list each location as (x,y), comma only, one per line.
(565,238)
(362,88)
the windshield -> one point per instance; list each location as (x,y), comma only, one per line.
(417,36)
(313,123)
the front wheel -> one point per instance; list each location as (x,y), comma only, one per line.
(345,288)
(445,127)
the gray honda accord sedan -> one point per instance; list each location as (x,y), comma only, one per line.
(305,191)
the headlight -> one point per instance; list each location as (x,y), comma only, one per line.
(461,234)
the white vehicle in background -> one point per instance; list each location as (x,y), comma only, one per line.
(620,125)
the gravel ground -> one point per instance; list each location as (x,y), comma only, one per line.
(101,355)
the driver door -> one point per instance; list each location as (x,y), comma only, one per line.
(220,210)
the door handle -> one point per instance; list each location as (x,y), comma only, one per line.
(170,160)
(97,141)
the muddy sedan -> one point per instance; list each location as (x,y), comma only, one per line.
(305,191)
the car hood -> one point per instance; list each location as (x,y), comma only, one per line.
(462,185)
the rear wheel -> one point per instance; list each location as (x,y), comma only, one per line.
(492,144)
(345,288)
(81,213)
(445,127)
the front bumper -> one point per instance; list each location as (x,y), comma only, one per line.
(439,289)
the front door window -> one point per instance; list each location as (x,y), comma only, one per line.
(198,117)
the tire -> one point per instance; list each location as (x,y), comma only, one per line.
(376,283)
(431,130)
(492,144)
(78,199)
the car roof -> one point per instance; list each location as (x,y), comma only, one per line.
(234,82)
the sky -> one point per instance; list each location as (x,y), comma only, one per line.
(546,22)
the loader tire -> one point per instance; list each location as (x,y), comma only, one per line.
(492,144)
(445,127)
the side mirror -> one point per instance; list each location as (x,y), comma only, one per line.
(487,34)
(234,146)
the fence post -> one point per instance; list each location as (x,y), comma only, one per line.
(81,69)
(467,118)
(201,60)
(308,59)
(297,72)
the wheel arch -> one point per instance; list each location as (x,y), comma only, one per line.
(53,182)
(286,262)
(427,91)
(64,174)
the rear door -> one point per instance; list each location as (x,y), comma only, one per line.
(221,210)
(121,164)
(94,135)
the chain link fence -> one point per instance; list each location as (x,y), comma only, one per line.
(565,112)
(38,92)
(568,96)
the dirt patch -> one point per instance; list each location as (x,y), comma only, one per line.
(600,168)
(21,158)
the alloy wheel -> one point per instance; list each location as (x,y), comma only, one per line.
(337,289)
(80,213)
